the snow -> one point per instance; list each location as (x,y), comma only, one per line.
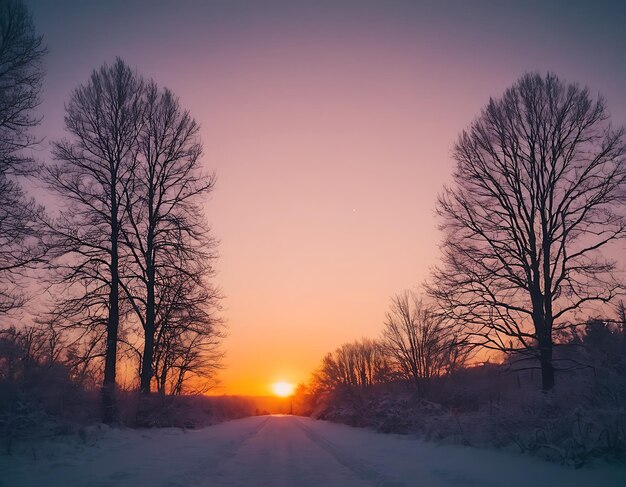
(280,451)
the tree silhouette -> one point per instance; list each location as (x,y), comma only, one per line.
(104,118)
(358,364)
(188,334)
(537,194)
(422,344)
(21,73)
(166,233)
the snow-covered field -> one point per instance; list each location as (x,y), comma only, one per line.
(282,451)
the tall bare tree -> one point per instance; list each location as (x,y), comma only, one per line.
(21,73)
(537,195)
(166,236)
(94,167)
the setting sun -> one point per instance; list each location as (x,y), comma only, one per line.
(283,389)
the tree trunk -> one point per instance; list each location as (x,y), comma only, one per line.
(547,369)
(543,331)
(148,347)
(109,406)
(148,353)
(149,329)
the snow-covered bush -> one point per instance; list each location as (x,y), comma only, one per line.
(37,395)
(582,420)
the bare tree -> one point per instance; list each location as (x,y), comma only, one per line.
(422,343)
(166,232)
(188,338)
(104,118)
(21,73)
(358,364)
(537,194)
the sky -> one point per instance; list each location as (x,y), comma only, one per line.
(330,126)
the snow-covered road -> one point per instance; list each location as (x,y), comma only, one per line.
(283,451)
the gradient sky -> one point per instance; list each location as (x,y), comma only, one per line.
(330,126)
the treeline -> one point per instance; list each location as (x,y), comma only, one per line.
(420,376)
(528,284)
(118,271)
(416,346)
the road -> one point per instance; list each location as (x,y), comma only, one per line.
(282,451)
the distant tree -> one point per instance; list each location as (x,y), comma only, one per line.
(359,364)
(421,343)
(21,73)
(167,239)
(603,341)
(104,118)
(305,397)
(537,194)
(601,334)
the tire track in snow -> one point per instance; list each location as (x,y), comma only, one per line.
(357,466)
(198,476)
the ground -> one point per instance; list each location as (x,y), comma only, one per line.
(281,451)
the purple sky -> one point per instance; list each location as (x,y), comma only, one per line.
(330,126)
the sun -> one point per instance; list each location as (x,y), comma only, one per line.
(283,389)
